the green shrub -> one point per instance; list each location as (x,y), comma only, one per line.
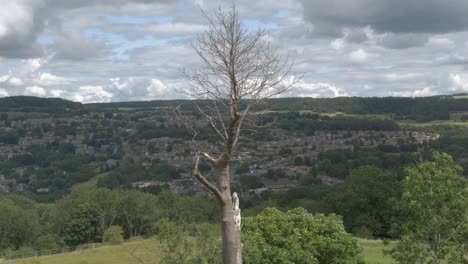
(48,241)
(114,235)
(297,237)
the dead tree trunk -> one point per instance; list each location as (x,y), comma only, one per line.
(229,207)
(230,219)
(237,65)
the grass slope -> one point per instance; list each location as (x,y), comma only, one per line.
(90,184)
(373,251)
(144,251)
(147,251)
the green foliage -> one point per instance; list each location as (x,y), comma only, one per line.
(185,209)
(434,208)
(418,109)
(136,212)
(159,132)
(285,152)
(275,174)
(57,167)
(130,171)
(114,235)
(18,225)
(243,168)
(365,200)
(309,123)
(189,244)
(152,148)
(84,227)
(48,242)
(3,116)
(36,104)
(297,237)
(339,163)
(10,137)
(250,182)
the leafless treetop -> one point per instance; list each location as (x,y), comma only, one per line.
(237,65)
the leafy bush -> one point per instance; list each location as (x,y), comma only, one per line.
(114,235)
(49,241)
(297,237)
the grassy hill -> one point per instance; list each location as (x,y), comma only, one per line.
(422,109)
(148,251)
(419,109)
(37,104)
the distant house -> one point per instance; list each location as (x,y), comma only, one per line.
(42,190)
(146,184)
(280,184)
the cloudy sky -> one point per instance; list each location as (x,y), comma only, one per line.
(123,50)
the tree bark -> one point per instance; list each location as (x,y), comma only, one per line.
(232,247)
(230,218)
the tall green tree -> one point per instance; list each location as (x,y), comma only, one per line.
(365,200)
(18,226)
(137,212)
(434,206)
(84,227)
(297,236)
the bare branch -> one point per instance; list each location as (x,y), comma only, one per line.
(212,123)
(238,65)
(240,124)
(189,125)
(207,157)
(196,173)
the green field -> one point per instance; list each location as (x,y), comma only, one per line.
(90,184)
(409,123)
(143,251)
(373,251)
(147,251)
(26,115)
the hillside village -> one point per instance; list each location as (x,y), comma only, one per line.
(107,139)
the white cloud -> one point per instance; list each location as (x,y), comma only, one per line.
(427,91)
(29,66)
(140,88)
(92,94)
(49,79)
(57,93)
(359,56)
(125,50)
(176,28)
(320,89)
(35,90)
(11,81)
(3,92)
(158,88)
(401,76)
(15,18)
(440,43)
(459,82)
(338,44)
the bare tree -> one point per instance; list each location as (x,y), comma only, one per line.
(238,66)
